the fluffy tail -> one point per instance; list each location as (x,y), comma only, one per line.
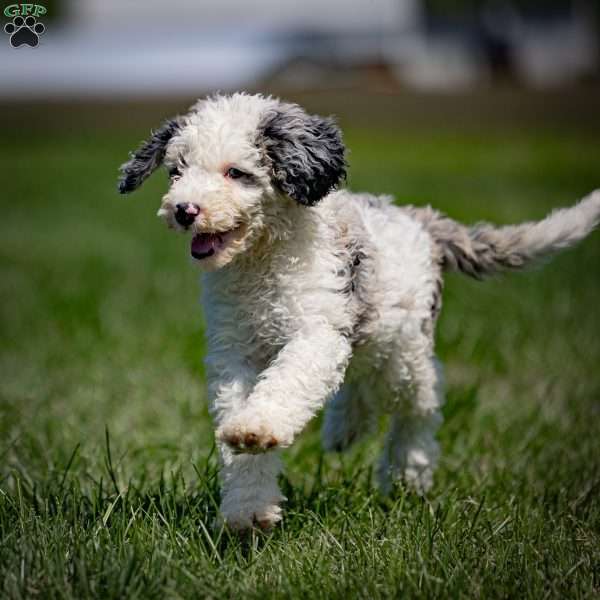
(483,249)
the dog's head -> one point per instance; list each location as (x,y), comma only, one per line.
(236,164)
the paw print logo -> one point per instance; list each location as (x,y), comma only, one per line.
(24,31)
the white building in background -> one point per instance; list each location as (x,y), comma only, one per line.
(120,48)
(164,47)
(324,15)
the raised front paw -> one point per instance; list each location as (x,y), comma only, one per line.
(251,436)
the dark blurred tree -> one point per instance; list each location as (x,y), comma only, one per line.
(56,9)
(492,35)
(454,8)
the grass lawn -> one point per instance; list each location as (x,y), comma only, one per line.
(107,476)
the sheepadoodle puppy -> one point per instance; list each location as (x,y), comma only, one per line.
(314,295)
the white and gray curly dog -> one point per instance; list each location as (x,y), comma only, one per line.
(313,295)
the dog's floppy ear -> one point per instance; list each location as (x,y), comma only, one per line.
(306,151)
(148,157)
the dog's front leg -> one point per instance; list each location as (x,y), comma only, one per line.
(307,370)
(250,493)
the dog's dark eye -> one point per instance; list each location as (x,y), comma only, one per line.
(175,170)
(234,173)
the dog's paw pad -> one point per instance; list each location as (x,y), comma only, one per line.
(247,439)
(251,440)
(231,439)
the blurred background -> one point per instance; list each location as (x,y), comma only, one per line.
(486,109)
(113,48)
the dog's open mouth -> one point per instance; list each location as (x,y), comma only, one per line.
(207,244)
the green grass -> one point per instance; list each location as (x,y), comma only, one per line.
(107,481)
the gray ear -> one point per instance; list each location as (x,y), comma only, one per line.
(307,152)
(148,157)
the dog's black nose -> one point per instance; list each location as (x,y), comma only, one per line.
(186,213)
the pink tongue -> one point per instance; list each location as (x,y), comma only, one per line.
(204,244)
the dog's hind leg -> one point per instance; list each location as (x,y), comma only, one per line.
(411,450)
(348,416)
